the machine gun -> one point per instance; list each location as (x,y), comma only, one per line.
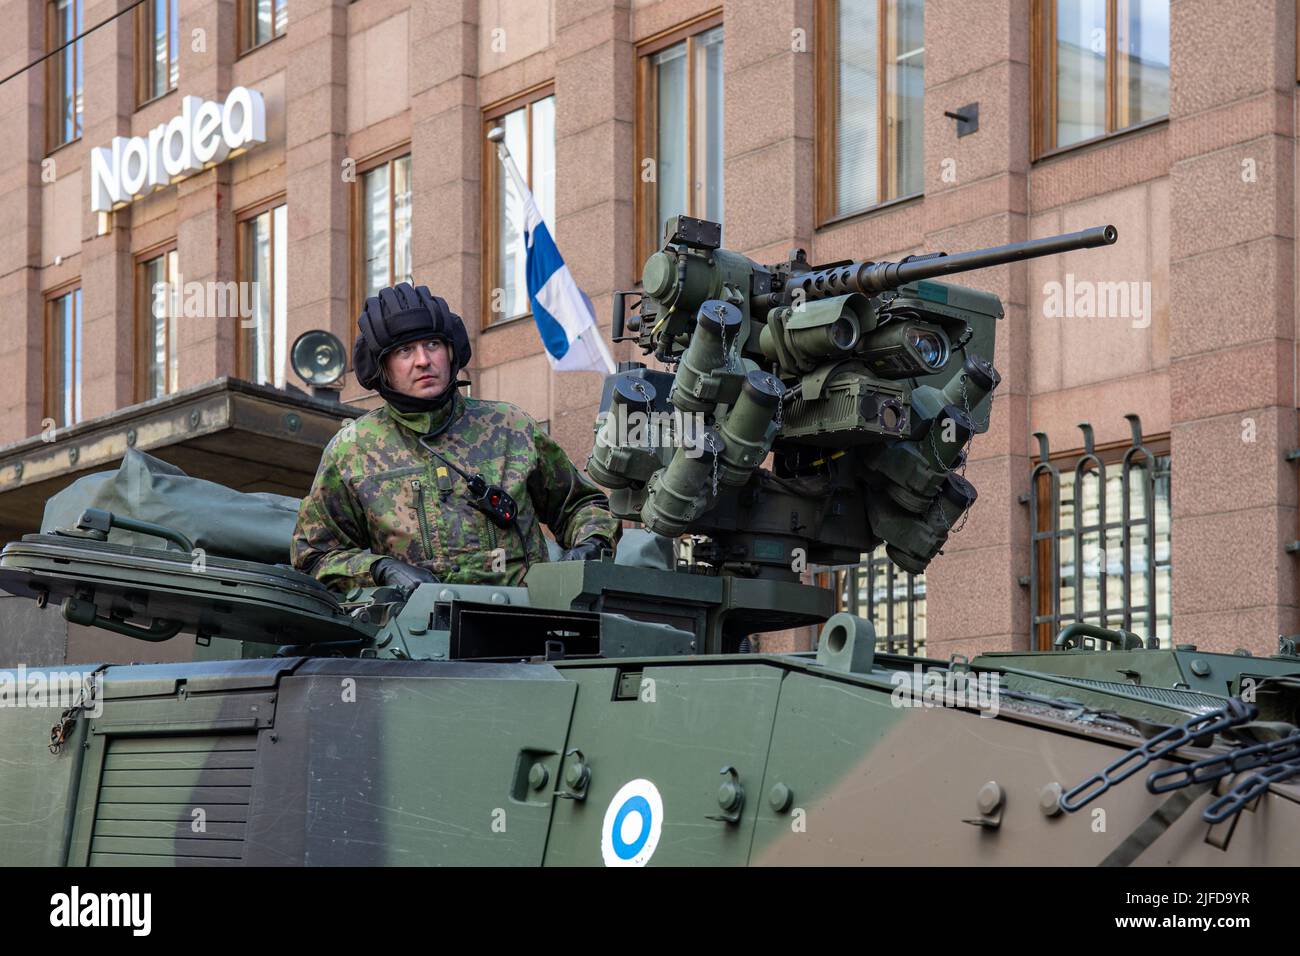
(865,380)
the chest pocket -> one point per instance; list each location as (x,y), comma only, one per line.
(398,526)
(467,534)
(477,539)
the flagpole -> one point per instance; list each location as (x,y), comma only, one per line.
(497,136)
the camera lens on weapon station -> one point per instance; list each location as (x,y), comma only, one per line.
(930,347)
(844,334)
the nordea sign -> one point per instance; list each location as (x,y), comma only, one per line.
(203,135)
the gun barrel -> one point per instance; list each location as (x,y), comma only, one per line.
(870,278)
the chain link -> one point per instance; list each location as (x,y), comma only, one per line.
(1235,800)
(1283,750)
(1232,713)
(641,390)
(717,464)
(60,732)
(727,345)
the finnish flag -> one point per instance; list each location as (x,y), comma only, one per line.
(563,313)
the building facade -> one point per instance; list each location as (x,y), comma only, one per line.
(844,128)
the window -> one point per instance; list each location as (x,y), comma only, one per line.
(1101,551)
(1102,66)
(871,84)
(263,265)
(679,129)
(63,358)
(892,599)
(157,43)
(63,78)
(384,227)
(261,21)
(157,308)
(530,137)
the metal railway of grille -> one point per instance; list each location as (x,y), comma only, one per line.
(179,800)
(1103,564)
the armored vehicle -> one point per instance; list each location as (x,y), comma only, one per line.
(615,712)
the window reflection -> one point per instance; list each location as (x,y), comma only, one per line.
(874,89)
(263,352)
(681,122)
(161,298)
(1100,48)
(64,362)
(65,101)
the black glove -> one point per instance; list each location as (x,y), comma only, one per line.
(391,573)
(588,549)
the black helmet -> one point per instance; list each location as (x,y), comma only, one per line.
(402,314)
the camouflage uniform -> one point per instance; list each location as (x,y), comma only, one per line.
(379,493)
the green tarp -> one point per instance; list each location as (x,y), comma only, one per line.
(220,520)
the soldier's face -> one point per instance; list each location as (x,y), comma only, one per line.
(420,369)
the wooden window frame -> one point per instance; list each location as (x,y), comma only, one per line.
(242,218)
(49,401)
(492,172)
(244,10)
(1043,84)
(144,23)
(825,114)
(143,298)
(356,268)
(1041,634)
(645,198)
(53,80)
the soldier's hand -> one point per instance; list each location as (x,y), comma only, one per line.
(586,550)
(392,573)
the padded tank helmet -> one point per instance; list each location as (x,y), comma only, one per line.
(401,314)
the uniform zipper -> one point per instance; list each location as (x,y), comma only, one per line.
(424,518)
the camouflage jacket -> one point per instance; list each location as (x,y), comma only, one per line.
(379,493)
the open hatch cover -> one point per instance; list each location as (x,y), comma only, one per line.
(153,594)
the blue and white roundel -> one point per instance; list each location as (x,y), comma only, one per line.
(633,820)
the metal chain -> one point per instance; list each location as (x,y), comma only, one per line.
(1232,713)
(717,463)
(1283,750)
(965,401)
(938,457)
(726,346)
(947,526)
(60,732)
(641,390)
(965,516)
(1235,800)
(779,387)
(966,336)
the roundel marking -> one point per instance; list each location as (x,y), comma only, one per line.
(633,821)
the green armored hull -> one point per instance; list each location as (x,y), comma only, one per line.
(622,748)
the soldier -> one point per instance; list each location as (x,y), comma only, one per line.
(433,486)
